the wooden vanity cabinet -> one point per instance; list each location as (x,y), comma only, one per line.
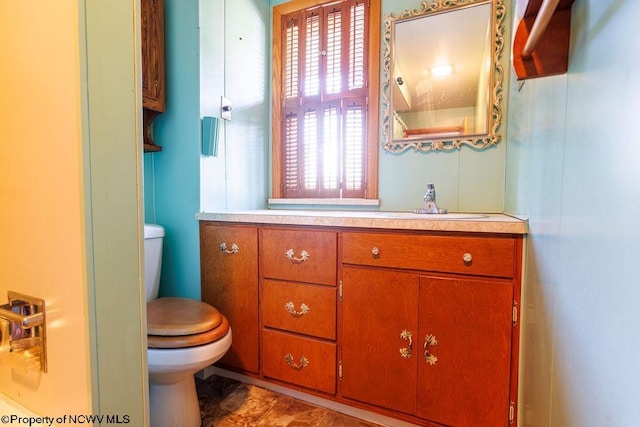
(422,341)
(416,325)
(229,268)
(298,308)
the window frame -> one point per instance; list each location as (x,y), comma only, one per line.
(373,88)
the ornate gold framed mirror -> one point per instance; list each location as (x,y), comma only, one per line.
(442,76)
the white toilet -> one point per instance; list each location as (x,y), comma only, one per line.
(184,336)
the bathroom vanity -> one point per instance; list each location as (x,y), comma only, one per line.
(411,316)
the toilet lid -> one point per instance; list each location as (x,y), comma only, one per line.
(182,341)
(180,316)
(182,322)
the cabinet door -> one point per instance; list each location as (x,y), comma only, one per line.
(230,283)
(379,366)
(152,26)
(465,333)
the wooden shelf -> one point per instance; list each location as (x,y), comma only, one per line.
(541,44)
(152,148)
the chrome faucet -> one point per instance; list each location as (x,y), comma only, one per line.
(429,206)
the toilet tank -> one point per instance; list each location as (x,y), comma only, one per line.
(153,235)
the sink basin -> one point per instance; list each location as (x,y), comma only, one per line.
(411,215)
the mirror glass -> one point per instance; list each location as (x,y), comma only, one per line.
(443,78)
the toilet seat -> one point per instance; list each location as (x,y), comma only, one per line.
(182,322)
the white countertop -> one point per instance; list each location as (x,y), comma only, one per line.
(457,221)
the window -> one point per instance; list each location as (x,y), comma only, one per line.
(325,99)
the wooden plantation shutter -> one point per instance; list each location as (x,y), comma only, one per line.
(324,105)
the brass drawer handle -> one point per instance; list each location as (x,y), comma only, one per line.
(234,248)
(405,352)
(430,358)
(304,255)
(304,362)
(304,309)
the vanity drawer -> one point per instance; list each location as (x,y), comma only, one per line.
(299,255)
(302,361)
(481,255)
(295,307)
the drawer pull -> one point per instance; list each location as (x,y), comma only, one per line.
(304,255)
(304,309)
(304,362)
(375,252)
(405,352)
(430,358)
(467,258)
(234,248)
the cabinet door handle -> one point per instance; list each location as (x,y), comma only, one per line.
(430,358)
(304,362)
(405,352)
(234,248)
(304,309)
(304,255)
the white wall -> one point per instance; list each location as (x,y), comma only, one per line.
(573,167)
(234,58)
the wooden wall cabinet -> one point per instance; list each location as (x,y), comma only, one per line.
(421,326)
(153,67)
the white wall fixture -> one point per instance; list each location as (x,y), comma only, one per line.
(225,108)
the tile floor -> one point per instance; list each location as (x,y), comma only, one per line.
(225,403)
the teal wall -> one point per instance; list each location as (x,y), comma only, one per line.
(172,176)
(207,46)
(573,168)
